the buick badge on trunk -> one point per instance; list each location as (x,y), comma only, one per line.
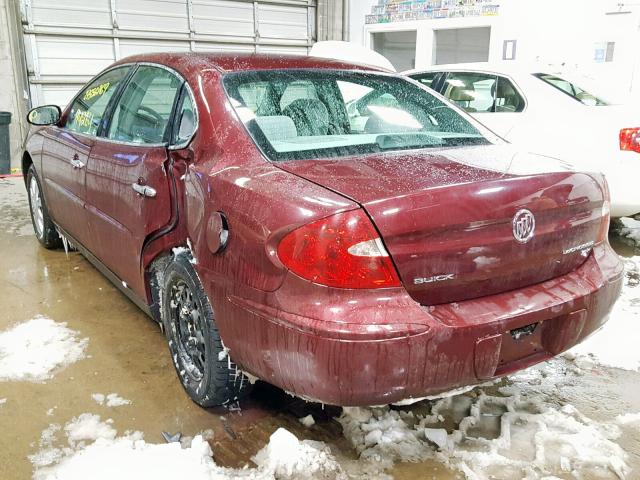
(524,225)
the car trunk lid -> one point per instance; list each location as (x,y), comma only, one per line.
(448,220)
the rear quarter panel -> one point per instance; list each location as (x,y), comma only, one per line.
(260,201)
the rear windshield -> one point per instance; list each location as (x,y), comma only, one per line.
(305,114)
(571,89)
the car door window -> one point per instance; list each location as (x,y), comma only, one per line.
(143,112)
(427,79)
(473,92)
(186,120)
(88,109)
(482,92)
(507,98)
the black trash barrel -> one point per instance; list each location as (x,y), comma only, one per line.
(5,147)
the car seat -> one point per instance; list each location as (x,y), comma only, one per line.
(310,116)
(461,97)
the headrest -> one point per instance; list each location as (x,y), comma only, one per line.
(309,115)
(459,94)
(505,90)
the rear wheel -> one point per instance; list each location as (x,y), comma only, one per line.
(204,367)
(43,226)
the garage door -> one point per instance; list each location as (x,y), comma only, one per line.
(462,45)
(69,41)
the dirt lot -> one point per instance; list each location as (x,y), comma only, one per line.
(574,417)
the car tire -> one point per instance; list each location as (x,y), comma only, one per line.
(199,357)
(43,226)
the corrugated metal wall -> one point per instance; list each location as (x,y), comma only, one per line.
(69,41)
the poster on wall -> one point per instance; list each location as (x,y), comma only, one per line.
(387,11)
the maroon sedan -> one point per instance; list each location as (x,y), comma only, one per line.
(336,230)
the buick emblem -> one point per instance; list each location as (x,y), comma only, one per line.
(524,225)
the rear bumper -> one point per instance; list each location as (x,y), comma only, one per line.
(372,348)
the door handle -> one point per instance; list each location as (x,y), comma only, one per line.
(76,163)
(144,190)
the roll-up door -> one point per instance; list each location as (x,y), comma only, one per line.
(69,41)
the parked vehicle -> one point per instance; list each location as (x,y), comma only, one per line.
(332,229)
(548,113)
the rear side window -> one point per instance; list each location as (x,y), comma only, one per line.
(186,121)
(472,92)
(88,109)
(481,92)
(571,89)
(507,98)
(143,111)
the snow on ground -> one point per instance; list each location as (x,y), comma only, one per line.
(616,344)
(34,349)
(110,400)
(129,457)
(516,433)
(630,229)
(628,418)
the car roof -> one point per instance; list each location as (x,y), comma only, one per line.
(504,68)
(234,61)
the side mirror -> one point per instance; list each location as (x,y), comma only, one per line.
(44,115)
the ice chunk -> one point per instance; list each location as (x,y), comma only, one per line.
(307,421)
(628,419)
(437,436)
(88,427)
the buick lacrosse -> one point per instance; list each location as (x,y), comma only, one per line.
(336,230)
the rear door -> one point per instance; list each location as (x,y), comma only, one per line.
(66,152)
(493,99)
(128,185)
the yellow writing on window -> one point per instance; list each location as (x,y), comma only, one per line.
(95,91)
(83,118)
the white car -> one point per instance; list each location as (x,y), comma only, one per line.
(549,114)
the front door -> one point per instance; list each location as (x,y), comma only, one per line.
(128,185)
(64,158)
(66,152)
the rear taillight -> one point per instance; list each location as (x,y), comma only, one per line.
(343,250)
(630,139)
(603,232)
